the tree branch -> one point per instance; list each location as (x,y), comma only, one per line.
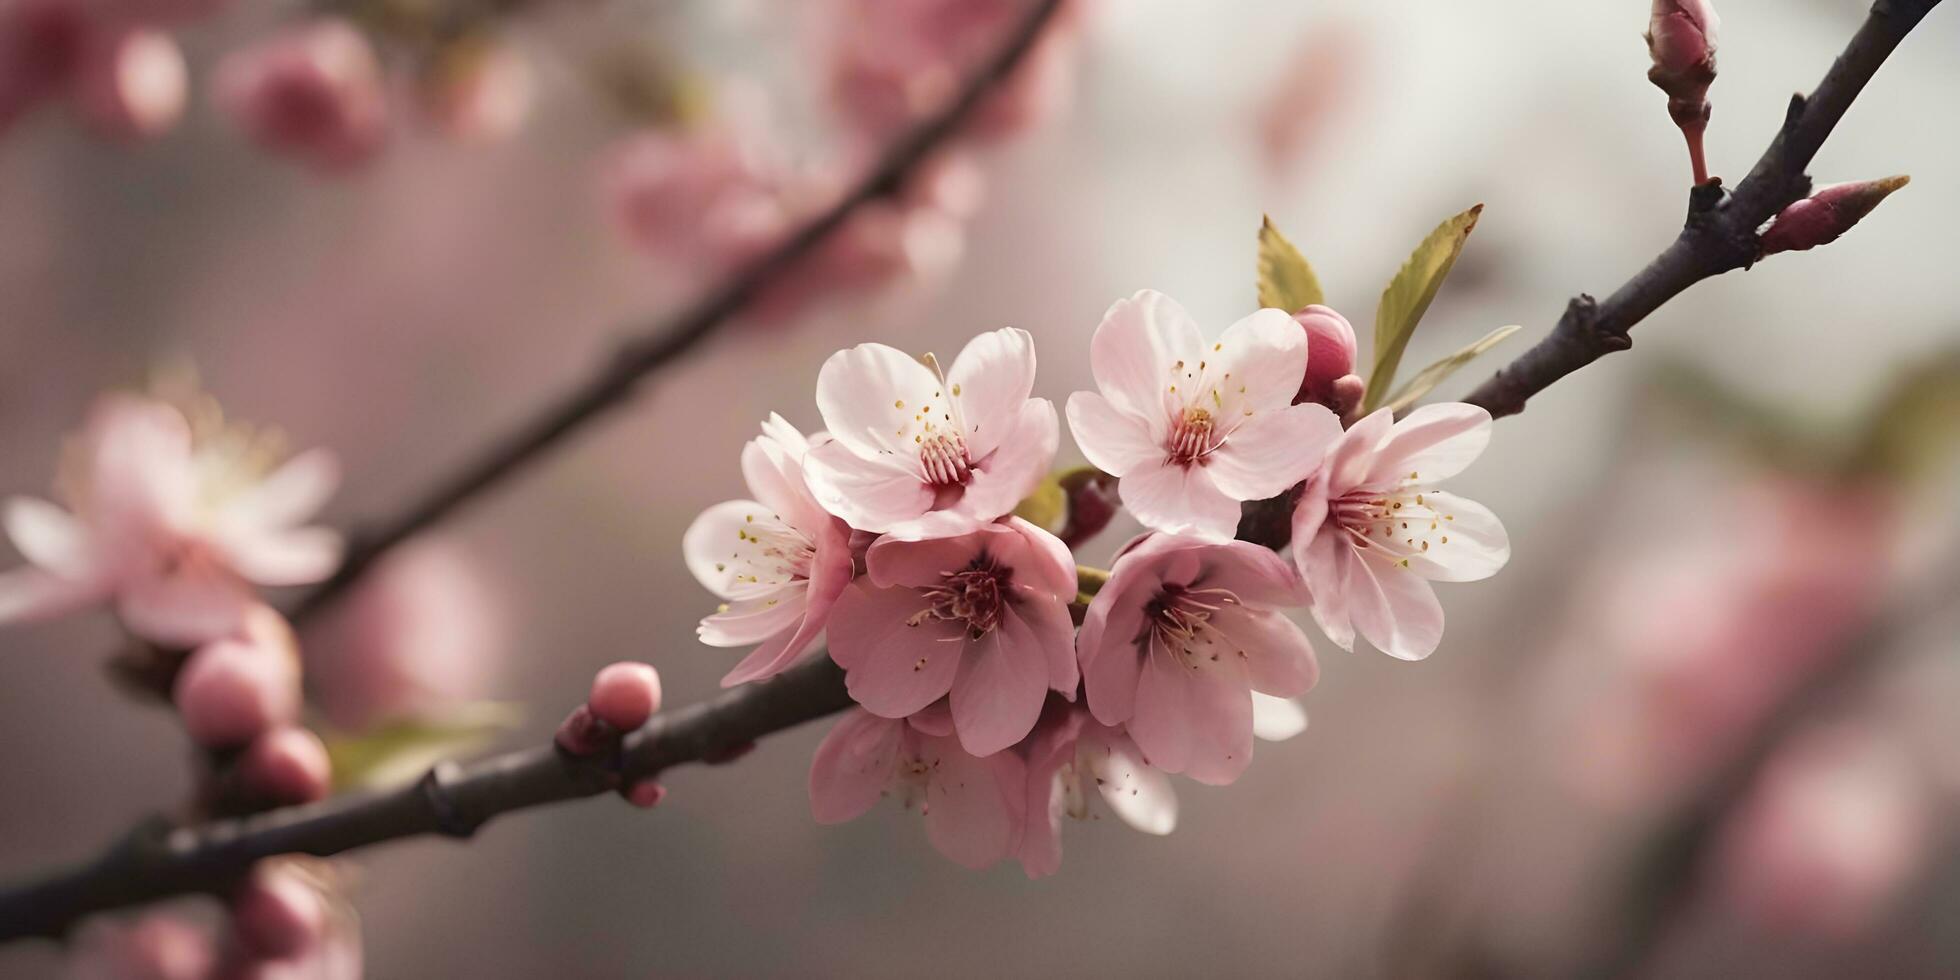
(1720,232)
(156,862)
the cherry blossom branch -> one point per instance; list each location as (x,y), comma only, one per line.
(614,383)
(156,862)
(1721,231)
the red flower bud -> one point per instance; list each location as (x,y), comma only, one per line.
(1330,355)
(1681,39)
(1826,214)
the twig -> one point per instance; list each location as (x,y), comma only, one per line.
(156,862)
(1720,232)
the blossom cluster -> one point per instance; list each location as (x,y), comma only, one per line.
(891,537)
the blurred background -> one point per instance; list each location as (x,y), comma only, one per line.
(1698,527)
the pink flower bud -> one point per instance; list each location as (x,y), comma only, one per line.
(132,83)
(1826,214)
(1092,503)
(1681,38)
(420,634)
(287,766)
(625,695)
(315,93)
(278,913)
(230,691)
(1330,353)
(154,947)
(645,794)
(42,44)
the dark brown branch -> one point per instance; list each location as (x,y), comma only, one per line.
(157,862)
(1720,234)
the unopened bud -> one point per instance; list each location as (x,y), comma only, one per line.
(582,733)
(1330,354)
(1092,502)
(625,695)
(278,913)
(1681,39)
(316,93)
(1345,396)
(132,83)
(645,794)
(1826,214)
(287,766)
(230,691)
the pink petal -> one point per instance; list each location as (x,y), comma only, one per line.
(1133,352)
(852,767)
(1272,451)
(755,618)
(1323,568)
(295,557)
(774,655)
(868,494)
(1113,441)
(139,467)
(830,574)
(893,668)
(48,536)
(1026,450)
(970,816)
(775,477)
(1179,499)
(1266,355)
(1276,719)
(933,719)
(1278,657)
(1351,460)
(1256,575)
(1476,545)
(1310,513)
(29,594)
(1434,441)
(183,610)
(998,691)
(1393,607)
(289,495)
(859,392)
(1194,716)
(1047,617)
(1139,793)
(897,561)
(991,379)
(1040,559)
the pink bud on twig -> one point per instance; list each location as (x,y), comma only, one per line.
(278,913)
(230,691)
(1681,39)
(625,695)
(1330,359)
(1826,214)
(287,766)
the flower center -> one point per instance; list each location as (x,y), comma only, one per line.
(1400,521)
(1180,620)
(942,455)
(1191,437)
(974,596)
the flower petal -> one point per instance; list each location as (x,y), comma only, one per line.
(289,495)
(868,396)
(723,555)
(1047,617)
(1001,683)
(970,816)
(183,610)
(991,380)
(1257,364)
(1178,499)
(1471,546)
(891,667)
(853,765)
(1435,442)
(893,561)
(1278,657)
(1272,451)
(28,594)
(1194,716)
(299,556)
(1349,463)
(1133,352)
(1139,793)
(48,536)
(775,476)
(868,494)
(1276,719)
(1324,571)
(1393,607)
(1113,441)
(1026,450)
(755,618)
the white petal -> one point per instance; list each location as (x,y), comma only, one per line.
(1179,499)
(756,619)
(1321,566)
(297,557)
(289,495)
(1350,461)
(1276,719)
(1140,794)
(869,396)
(28,594)
(1273,450)
(1012,472)
(726,554)
(868,494)
(1470,545)
(1393,607)
(1257,364)
(48,536)
(1114,442)
(990,380)
(1134,354)
(1434,442)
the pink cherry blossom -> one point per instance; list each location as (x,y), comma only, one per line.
(974,807)
(779,560)
(315,92)
(710,198)
(157,946)
(1068,753)
(1372,531)
(982,617)
(1194,427)
(1180,638)
(169,524)
(917,452)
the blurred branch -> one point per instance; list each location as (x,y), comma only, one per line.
(156,862)
(1720,234)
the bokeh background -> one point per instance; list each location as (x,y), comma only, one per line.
(1480,807)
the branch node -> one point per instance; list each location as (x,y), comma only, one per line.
(1794,115)
(450,819)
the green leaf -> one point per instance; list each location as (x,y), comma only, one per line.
(1428,378)
(1408,297)
(400,751)
(1912,432)
(1286,281)
(1047,507)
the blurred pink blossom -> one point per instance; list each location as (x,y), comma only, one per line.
(711,198)
(1372,531)
(1194,427)
(916,452)
(315,92)
(420,633)
(779,560)
(982,617)
(156,946)
(278,913)
(234,689)
(974,807)
(132,82)
(170,524)
(1175,645)
(1833,832)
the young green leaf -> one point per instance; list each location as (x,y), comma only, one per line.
(1046,507)
(1286,281)
(1408,297)
(398,752)
(1428,378)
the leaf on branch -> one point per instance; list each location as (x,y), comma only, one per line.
(1046,507)
(1428,378)
(398,752)
(1408,297)
(1286,281)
